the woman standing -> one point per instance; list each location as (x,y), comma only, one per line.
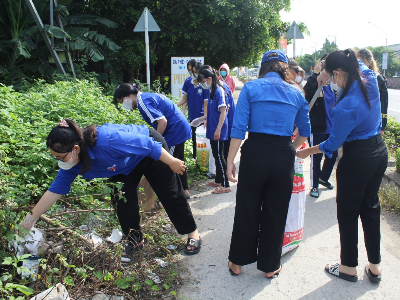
(123,153)
(217,126)
(368,59)
(195,97)
(267,108)
(356,125)
(163,115)
(226,77)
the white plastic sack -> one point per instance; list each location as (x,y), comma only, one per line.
(295,218)
(58,292)
(203,149)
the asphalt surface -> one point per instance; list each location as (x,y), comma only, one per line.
(394,105)
(302,275)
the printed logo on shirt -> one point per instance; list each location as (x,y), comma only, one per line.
(199,91)
(112,168)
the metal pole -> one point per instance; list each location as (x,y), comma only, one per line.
(294,44)
(387,56)
(146,33)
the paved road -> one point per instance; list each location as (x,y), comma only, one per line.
(302,276)
(394,104)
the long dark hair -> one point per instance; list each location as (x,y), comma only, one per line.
(346,60)
(62,139)
(124,90)
(275,66)
(207,72)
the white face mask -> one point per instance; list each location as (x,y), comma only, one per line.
(299,79)
(205,86)
(194,76)
(127,104)
(66,165)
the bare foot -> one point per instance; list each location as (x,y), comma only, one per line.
(236,269)
(352,271)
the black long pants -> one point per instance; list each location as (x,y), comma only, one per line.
(178,151)
(194,141)
(217,148)
(265,184)
(359,175)
(227,145)
(316,172)
(167,186)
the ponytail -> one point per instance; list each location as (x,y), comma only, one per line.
(346,60)
(63,137)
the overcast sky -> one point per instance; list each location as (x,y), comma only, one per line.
(347,20)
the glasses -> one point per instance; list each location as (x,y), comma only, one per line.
(62,159)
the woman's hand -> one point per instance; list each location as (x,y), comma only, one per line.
(28,222)
(304,153)
(217,134)
(230,172)
(177,165)
(318,66)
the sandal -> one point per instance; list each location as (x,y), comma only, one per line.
(371,276)
(276,273)
(221,190)
(132,245)
(196,244)
(213,183)
(334,270)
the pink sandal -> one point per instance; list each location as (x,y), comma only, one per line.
(221,190)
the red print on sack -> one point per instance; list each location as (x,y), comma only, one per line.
(112,168)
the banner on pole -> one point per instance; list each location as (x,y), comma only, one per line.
(179,73)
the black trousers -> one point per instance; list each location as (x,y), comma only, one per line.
(178,151)
(194,141)
(359,175)
(217,148)
(227,145)
(265,184)
(166,185)
(316,172)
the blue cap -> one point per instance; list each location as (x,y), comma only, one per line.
(281,56)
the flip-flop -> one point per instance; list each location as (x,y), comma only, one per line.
(334,270)
(230,271)
(371,276)
(193,243)
(213,183)
(221,190)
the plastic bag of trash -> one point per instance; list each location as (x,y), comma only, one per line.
(32,243)
(58,292)
(32,267)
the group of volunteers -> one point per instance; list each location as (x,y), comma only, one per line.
(271,110)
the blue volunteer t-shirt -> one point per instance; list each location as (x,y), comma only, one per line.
(196,96)
(154,107)
(231,104)
(118,150)
(213,113)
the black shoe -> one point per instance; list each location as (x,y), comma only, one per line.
(314,192)
(326,184)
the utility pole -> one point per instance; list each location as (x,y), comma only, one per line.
(385,55)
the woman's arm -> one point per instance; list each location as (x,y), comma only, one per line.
(161,125)
(217,133)
(233,149)
(183,100)
(176,165)
(47,200)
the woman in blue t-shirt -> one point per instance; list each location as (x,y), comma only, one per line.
(356,126)
(123,153)
(163,115)
(217,126)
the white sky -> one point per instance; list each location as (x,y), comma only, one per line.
(347,20)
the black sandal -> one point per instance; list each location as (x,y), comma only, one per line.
(191,242)
(210,176)
(132,245)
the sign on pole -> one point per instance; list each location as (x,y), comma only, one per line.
(384,61)
(294,33)
(146,23)
(179,73)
